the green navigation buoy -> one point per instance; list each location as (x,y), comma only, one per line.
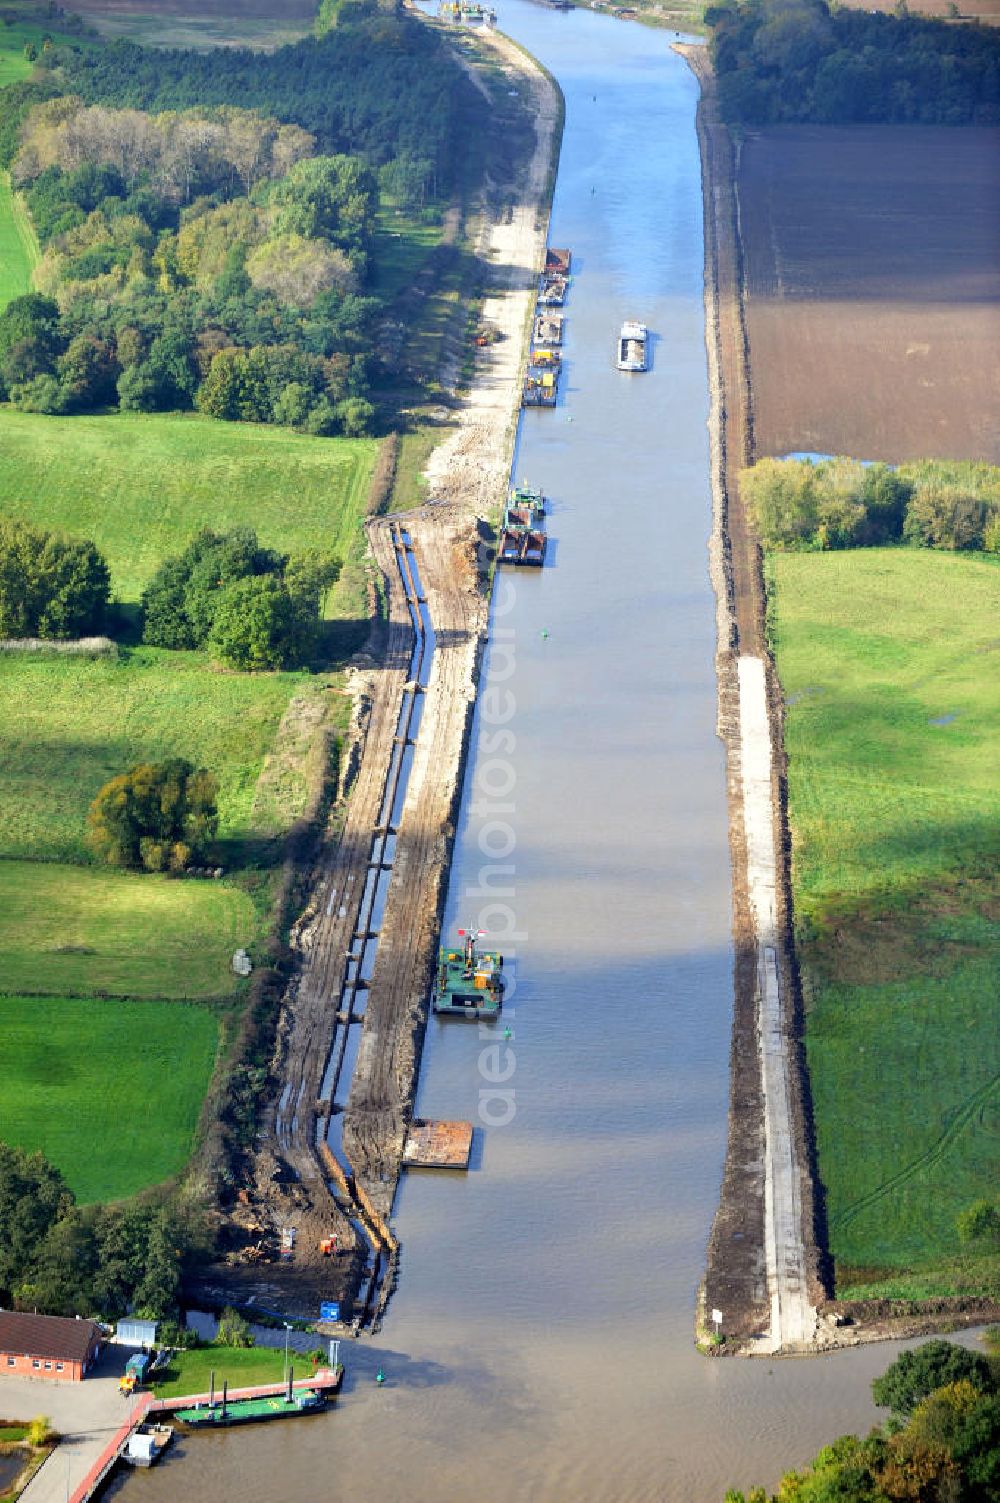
(380,1377)
(544,632)
(507,1033)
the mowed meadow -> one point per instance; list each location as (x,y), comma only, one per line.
(126,973)
(887,658)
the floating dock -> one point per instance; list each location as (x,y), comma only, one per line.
(438,1145)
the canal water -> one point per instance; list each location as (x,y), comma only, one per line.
(540,1343)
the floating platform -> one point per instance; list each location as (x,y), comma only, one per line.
(469,983)
(252,1411)
(438,1145)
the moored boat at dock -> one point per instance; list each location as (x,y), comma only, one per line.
(540,386)
(631,352)
(548,330)
(469,981)
(553,290)
(147,1443)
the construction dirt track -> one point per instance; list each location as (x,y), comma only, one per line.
(872,266)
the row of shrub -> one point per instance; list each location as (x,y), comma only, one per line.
(841,503)
(252,607)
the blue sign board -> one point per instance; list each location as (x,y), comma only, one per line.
(330,1309)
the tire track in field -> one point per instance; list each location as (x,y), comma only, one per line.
(965,1114)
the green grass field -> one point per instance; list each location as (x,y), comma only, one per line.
(142,485)
(18,246)
(242,1367)
(69,724)
(109,1091)
(403,243)
(888,661)
(86,931)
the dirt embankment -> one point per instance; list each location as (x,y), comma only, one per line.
(298,1183)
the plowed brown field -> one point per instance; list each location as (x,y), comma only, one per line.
(872,264)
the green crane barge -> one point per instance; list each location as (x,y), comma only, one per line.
(469,981)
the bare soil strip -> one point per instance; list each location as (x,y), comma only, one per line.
(298,1183)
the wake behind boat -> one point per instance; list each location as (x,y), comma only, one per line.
(632,346)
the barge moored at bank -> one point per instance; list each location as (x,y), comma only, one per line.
(522,536)
(290,1402)
(469,981)
(548,330)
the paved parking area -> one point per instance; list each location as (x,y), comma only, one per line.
(86,1414)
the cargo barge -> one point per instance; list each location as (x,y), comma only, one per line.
(553,290)
(548,329)
(540,386)
(632,346)
(522,536)
(469,981)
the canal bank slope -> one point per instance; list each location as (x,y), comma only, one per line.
(767,1266)
(329,1154)
(764,1270)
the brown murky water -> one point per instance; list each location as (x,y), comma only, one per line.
(540,1345)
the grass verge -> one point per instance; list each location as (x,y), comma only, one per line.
(142,485)
(68,724)
(887,659)
(18,246)
(191,1372)
(109,1091)
(86,931)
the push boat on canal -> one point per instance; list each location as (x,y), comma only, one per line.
(631,353)
(522,536)
(469,981)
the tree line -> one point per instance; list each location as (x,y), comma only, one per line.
(200,253)
(840,503)
(940,1445)
(808,61)
(192,262)
(94,1261)
(379,84)
(251,607)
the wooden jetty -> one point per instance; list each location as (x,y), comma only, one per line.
(327,1380)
